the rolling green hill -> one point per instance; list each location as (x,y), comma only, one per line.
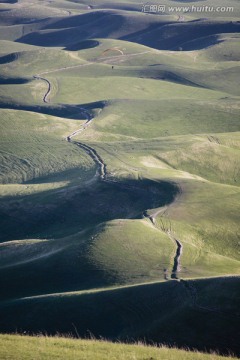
(120,176)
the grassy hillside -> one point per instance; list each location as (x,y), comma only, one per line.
(21,131)
(119,182)
(46,348)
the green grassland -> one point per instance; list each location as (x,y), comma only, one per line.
(21,131)
(48,347)
(85,255)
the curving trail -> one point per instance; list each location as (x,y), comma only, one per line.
(102,169)
(103,60)
(39,77)
(177,257)
(102,172)
(89,119)
(46,95)
(176,266)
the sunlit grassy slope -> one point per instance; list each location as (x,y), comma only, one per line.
(34,144)
(80,254)
(48,347)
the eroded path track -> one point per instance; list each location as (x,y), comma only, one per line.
(102,167)
(176,265)
(46,95)
(102,171)
(89,119)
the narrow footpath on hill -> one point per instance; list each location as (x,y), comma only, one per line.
(46,95)
(102,174)
(102,168)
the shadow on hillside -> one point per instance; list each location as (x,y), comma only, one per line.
(173,36)
(160,313)
(201,43)
(71,219)
(152,32)
(82,45)
(8,58)
(9,1)
(169,76)
(75,112)
(69,31)
(13,81)
(52,214)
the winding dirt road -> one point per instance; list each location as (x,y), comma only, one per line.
(46,95)
(102,167)
(176,266)
(89,119)
(179,246)
(119,58)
